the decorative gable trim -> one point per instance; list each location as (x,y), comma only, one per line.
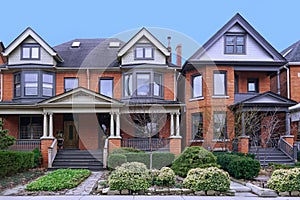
(143,33)
(238,19)
(81,96)
(31,33)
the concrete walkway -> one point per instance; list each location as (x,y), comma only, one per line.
(241,190)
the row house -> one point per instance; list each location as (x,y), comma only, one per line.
(234,75)
(90,93)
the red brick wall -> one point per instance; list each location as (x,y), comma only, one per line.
(169,86)
(264,81)
(295,83)
(11,123)
(7,87)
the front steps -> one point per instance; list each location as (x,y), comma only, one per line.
(78,159)
(270,155)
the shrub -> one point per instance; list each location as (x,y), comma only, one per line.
(59,179)
(193,157)
(12,162)
(279,166)
(210,178)
(285,180)
(239,165)
(162,159)
(5,139)
(37,157)
(115,160)
(138,157)
(164,177)
(133,176)
(124,150)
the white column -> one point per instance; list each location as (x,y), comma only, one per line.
(172,125)
(51,125)
(287,123)
(118,124)
(45,127)
(112,131)
(177,124)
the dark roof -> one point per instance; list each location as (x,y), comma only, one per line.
(292,53)
(278,58)
(238,98)
(92,53)
(147,100)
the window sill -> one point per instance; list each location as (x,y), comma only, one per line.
(220,140)
(220,97)
(196,140)
(196,99)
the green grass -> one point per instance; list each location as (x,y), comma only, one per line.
(59,180)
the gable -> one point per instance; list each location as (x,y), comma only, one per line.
(256,47)
(29,36)
(80,96)
(266,99)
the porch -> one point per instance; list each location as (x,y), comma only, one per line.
(147,144)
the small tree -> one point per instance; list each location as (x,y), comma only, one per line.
(5,139)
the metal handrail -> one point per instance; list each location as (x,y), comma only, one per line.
(145,144)
(52,151)
(287,149)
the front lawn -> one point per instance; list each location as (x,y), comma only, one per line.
(59,180)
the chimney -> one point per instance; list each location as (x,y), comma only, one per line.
(178,55)
(169,49)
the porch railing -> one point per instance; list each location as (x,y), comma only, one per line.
(52,151)
(287,149)
(26,145)
(162,144)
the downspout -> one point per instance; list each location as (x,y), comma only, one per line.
(278,82)
(88,78)
(175,85)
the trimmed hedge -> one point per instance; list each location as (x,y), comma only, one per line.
(12,162)
(211,178)
(159,159)
(124,150)
(285,180)
(239,166)
(193,157)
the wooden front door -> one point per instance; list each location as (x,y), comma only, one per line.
(70,135)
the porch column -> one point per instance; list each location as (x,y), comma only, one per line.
(177,124)
(172,125)
(112,131)
(118,125)
(243,124)
(45,126)
(51,125)
(287,123)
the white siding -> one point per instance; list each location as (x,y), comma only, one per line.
(15,56)
(254,52)
(236,29)
(128,57)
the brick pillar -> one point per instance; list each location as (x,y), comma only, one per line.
(45,143)
(175,145)
(243,144)
(289,139)
(113,143)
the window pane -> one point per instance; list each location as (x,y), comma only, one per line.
(148,52)
(31,91)
(17,78)
(139,52)
(143,84)
(230,40)
(239,40)
(47,78)
(106,87)
(251,87)
(47,92)
(18,90)
(239,49)
(25,52)
(197,86)
(157,85)
(197,126)
(71,83)
(220,130)
(35,52)
(128,85)
(229,49)
(31,77)
(219,84)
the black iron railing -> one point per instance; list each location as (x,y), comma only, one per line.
(287,149)
(146,144)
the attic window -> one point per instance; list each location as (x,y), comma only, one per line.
(144,53)
(235,44)
(30,52)
(75,44)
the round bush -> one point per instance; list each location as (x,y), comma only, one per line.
(285,180)
(211,178)
(243,168)
(164,177)
(133,176)
(115,160)
(193,157)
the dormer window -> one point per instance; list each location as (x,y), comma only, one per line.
(235,44)
(30,52)
(144,52)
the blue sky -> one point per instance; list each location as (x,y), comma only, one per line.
(58,21)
